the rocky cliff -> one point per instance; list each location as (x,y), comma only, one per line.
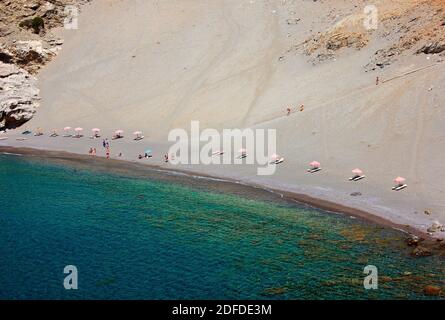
(26,44)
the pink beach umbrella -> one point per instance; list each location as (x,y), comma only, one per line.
(275,156)
(67,131)
(315,164)
(78,131)
(119,132)
(357,172)
(399,180)
(137,133)
(96,132)
(242,151)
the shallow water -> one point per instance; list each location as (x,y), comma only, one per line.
(160,236)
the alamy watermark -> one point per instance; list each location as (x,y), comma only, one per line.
(371,20)
(71,280)
(71,17)
(231,146)
(372,277)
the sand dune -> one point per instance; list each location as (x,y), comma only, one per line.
(156,65)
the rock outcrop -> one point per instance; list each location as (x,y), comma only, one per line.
(431,48)
(26,45)
(19,96)
(413,27)
(436,226)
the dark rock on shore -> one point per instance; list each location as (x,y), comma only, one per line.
(421,251)
(413,241)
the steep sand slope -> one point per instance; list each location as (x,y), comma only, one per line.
(156,65)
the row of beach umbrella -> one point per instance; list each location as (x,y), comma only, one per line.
(96,132)
(316,166)
(275,158)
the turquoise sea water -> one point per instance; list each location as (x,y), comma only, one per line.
(156,236)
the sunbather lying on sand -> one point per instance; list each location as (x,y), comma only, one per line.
(399,187)
(357,177)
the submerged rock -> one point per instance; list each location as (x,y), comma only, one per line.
(420,251)
(413,241)
(432,290)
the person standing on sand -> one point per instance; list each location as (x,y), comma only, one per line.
(94,152)
(108,153)
(289,110)
(166,157)
(103,143)
(377,81)
(302,108)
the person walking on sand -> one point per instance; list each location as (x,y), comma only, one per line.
(103,143)
(90,152)
(377,81)
(166,157)
(107,153)
(94,152)
(289,110)
(302,108)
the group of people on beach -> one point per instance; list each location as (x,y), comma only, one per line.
(92,152)
(146,156)
(106,145)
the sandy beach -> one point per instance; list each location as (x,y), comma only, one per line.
(156,65)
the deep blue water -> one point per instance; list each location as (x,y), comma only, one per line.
(164,237)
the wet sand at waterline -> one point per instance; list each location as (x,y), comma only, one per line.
(155,66)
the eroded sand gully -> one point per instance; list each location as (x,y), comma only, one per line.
(157,65)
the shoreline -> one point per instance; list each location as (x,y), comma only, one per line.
(305,199)
(318,137)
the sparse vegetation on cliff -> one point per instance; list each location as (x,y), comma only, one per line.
(36,23)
